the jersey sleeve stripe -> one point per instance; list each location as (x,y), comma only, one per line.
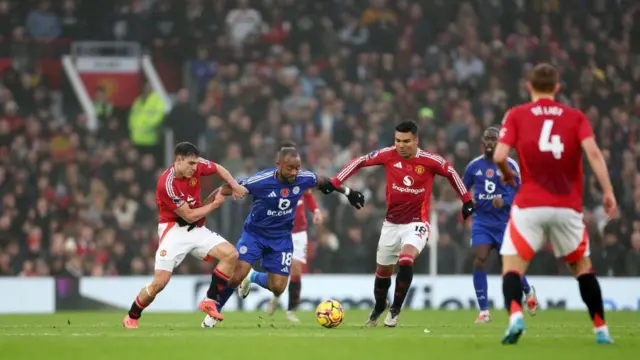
(456,178)
(433,157)
(169,187)
(514,164)
(260,177)
(346,171)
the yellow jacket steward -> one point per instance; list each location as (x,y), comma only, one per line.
(145,119)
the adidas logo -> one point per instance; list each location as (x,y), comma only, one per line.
(285,270)
(479,173)
(273,194)
(398,165)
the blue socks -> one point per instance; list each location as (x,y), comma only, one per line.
(482,293)
(259,278)
(525,285)
(480,284)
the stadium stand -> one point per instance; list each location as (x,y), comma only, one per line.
(334,76)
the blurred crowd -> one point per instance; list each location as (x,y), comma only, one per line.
(334,76)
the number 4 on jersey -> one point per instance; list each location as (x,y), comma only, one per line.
(550,143)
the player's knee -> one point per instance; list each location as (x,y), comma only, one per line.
(581,267)
(406,260)
(225,252)
(278,289)
(277,284)
(384,270)
(479,263)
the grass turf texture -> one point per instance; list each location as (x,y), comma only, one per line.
(452,335)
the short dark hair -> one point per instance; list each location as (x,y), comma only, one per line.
(543,78)
(186,149)
(407,126)
(288,151)
(492,128)
(287,144)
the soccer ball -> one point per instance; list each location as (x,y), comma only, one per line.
(329,314)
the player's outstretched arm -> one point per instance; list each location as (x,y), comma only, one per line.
(326,185)
(189,215)
(599,167)
(373,158)
(439,166)
(237,191)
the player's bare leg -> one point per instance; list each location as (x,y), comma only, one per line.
(480,253)
(228,257)
(145,298)
(380,290)
(294,288)
(408,253)
(513,266)
(240,279)
(592,297)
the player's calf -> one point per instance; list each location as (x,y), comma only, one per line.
(512,290)
(403,283)
(592,297)
(228,257)
(277,283)
(380,290)
(295,285)
(146,297)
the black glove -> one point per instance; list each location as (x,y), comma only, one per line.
(356,199)
(468,208)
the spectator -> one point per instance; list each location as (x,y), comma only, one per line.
(76,203)
(43,23)
(242,22)
(187,124)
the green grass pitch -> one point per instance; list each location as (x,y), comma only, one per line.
(451,335)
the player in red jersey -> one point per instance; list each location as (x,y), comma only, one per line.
(410,173)
(299,238)
(181,229)
(549,138)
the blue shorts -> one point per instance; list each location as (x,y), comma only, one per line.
(274,254)
(481,235)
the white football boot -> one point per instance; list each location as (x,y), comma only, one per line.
(245,286)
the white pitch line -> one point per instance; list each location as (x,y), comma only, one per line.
(341,334)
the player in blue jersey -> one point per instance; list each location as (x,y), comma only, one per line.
(266,235)
(493,204)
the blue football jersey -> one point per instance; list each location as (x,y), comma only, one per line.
(484,176)
(274,202)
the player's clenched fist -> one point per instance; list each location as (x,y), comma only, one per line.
(356,199)
(238,191)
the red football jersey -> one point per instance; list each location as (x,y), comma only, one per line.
(306,201)
(409,181)
(547,136)
(173,192)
